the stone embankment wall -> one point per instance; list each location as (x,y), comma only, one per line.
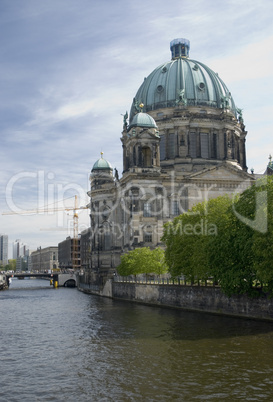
(195,298)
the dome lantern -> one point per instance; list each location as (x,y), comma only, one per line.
(180,48)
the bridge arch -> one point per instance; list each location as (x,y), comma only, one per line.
(70,283)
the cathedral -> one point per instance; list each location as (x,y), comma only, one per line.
(183,142)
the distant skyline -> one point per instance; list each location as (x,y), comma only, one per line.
(69,70)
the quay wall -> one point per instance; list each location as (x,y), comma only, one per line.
(193,298)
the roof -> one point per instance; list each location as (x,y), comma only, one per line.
(102,164)
(143,120)
(182,81)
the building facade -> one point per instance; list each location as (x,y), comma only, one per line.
(44,259)
(183,142)
(19,249)
(69,254)
(4,247)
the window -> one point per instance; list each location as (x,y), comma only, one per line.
(193,145)
(204,140)
(162,147)
(175,208)
(147,211)
(107,241)
(214,145)
(147,157)
(171,146)
(148,238)
(147,234)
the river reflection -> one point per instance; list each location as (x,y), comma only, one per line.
(61,344)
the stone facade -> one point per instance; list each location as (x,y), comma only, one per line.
(44,259)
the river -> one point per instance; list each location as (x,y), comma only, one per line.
(64,345)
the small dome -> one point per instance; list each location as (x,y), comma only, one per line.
(102,164)
(143,120)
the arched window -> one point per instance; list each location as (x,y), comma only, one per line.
(107,241)
(147,157)
(175,208)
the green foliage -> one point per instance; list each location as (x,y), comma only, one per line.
(235,244)
(188,237)
(250,240)
(262,240)
(142,261)
(11,266)
(229,254)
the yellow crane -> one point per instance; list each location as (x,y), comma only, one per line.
(75,208)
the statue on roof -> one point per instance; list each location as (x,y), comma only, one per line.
(116,174)
(270,163)
(240,115)
(138,105)
(225,102)
(125,117)
(181,98)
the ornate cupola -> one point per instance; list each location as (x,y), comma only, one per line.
(141,144)
(180,48)
(101,173)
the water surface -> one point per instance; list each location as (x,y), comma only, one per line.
(64,345)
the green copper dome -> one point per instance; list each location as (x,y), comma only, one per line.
(182,81)
(143,120)
(102,164)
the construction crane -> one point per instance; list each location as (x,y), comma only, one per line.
(75,208)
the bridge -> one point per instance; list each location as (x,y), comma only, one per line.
(58,278)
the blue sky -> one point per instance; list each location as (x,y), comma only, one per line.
(69,69)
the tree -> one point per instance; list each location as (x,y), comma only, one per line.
(242,253)
(231,240)
(11,266)
(258,204)
(187,239)
(142,261)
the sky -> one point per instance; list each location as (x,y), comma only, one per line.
(70,69)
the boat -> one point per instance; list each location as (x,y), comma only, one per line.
(3,282)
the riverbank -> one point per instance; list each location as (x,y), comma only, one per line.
(192,298)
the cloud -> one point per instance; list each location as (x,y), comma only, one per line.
(69,70)
(252,62)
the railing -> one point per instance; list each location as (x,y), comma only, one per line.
(157,280)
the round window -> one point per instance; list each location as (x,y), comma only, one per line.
(160,88)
